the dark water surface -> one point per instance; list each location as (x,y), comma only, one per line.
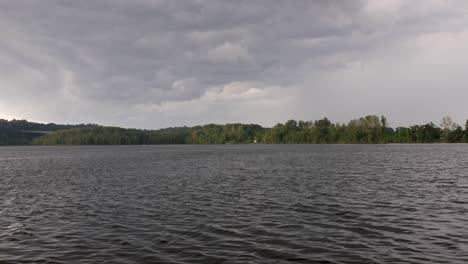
(234,204)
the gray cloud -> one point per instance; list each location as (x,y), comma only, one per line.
(147,63)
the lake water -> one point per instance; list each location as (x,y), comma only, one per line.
(234,204)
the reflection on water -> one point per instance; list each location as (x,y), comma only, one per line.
(235,204)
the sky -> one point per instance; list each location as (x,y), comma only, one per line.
(162,63)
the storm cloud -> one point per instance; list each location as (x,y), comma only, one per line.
(158,63)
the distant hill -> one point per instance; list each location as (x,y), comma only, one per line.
(370,129)
(22,132)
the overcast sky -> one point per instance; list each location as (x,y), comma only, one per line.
(156,63)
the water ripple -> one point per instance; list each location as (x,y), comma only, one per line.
(234,204)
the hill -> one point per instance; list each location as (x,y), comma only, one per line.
(370,129)
(22,132)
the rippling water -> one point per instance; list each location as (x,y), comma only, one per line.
(234,204)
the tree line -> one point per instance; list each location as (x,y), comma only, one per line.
(22,132)
(370,129)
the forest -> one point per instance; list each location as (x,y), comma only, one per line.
(370,129)
(22,132)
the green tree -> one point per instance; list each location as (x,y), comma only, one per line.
(466,132)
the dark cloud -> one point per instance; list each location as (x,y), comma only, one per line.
(93,57)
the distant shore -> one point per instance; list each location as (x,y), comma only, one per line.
(370,129)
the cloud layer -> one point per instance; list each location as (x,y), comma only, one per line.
(161,63)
